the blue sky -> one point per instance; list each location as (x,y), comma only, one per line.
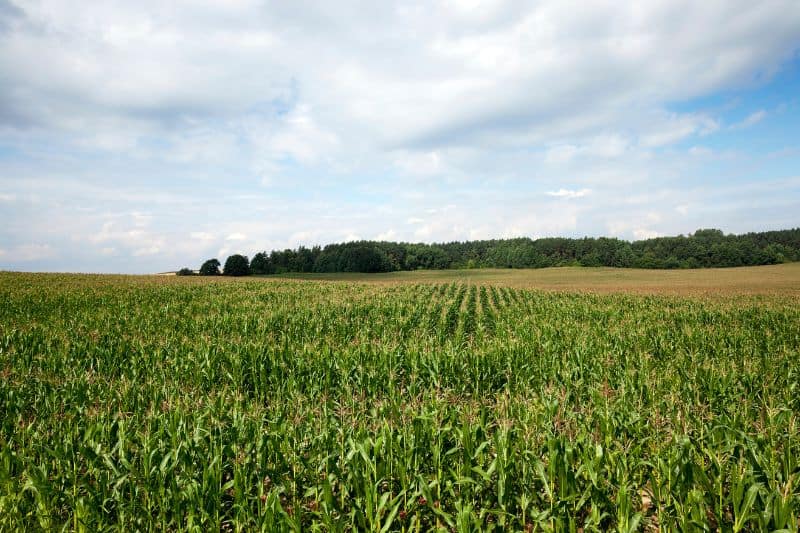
(142,137)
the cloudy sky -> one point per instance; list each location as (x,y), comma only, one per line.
(145,136)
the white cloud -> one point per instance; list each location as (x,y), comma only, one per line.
(670,128)
(607,146)
(751,120)
(451,77)
(128,232)
(24,253)
(569,194)
(642,234)
(420,164)
(700,151)
(561,153)
(387,235)
(103,235)
(300,237)
(295,123)
(148,250)
(141,220)
(298,135)
(230,250)
(601,146)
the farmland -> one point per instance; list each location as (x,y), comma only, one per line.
(459,403)
(773,279)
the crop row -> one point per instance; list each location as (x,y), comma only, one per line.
(137,404)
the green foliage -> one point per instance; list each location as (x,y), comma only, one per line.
(706,248)
(236,265)
(185,271)
(210,268)
(353,257)
(163,403)
(261,264)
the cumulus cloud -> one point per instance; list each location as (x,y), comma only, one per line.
(202,236)
(127,232)
(460,78)
(642,234)
(569,194)
(247,126)
(387,235)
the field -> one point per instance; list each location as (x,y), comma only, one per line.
(773,279)
(460,404)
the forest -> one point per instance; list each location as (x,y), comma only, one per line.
(705,248)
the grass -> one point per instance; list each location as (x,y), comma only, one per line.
(772,279)
(152,402)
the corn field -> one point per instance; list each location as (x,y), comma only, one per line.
(143,403)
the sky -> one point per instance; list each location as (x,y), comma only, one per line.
(145,136)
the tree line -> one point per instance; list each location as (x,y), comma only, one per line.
(705,248)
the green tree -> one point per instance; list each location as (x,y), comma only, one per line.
(236,265)
(210,268)
(185,271)
(261,264)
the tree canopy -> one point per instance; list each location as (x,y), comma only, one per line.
(703,248)
(210,268)
(236,265)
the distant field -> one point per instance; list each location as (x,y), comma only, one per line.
(772,279)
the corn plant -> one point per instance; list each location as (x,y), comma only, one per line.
(194,404)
